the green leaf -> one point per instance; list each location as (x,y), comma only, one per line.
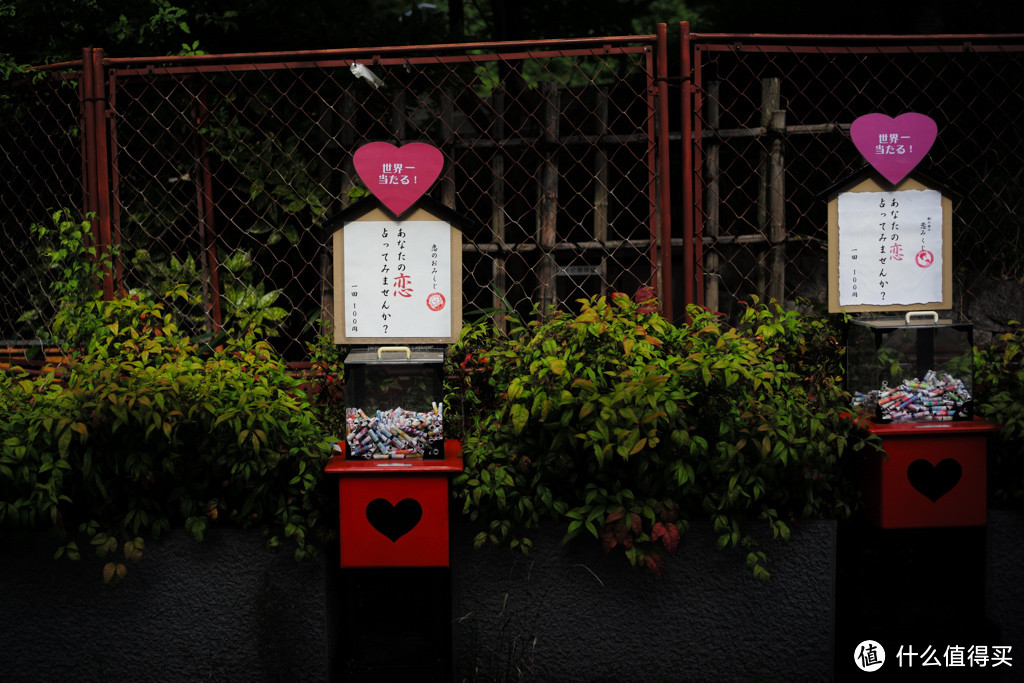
(515,389)
(520,416)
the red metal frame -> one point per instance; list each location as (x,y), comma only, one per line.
(654,47)
(99,142)
(328,59)
(100,135)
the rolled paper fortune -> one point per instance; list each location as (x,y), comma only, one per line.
(394,433)
(935,398)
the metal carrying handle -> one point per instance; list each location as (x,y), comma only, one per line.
(931,314)
(408,351)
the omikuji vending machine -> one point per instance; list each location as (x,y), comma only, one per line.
(912,378)
(909,368)
(394,465)
(397,305)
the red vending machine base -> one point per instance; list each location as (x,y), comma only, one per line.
(394,513)
(934,475)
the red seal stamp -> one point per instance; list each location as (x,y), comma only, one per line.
(435,301)
(924,258)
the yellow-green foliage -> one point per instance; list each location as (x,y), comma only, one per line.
(999,397)
(145,430)
(625,426)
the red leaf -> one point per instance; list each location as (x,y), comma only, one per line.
(668,513)
(668,534)
(656,563)
(608,540)
(647,298)
(614,517)
(636,523)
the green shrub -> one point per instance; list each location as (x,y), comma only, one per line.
(625,427)
(144,431)
(324,382)
(999,397)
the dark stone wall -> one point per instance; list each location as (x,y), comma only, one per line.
(226,609)
(571,614)
(1004,587)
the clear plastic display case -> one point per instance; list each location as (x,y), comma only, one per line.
(916,368)
(394,399)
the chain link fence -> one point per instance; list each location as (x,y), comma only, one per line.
(222,173)
(41,168)
(771,118)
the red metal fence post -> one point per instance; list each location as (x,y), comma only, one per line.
(97,163)
(87,95)
(664,171)
(205,214)
(686,173)
(653,167)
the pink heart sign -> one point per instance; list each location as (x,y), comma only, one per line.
(894,146)
(398,176)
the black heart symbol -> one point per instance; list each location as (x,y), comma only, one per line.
(934,481)
(394,521)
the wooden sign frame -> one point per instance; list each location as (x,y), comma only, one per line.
(872,184)
(454,305)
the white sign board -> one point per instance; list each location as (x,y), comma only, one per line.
(397,281)
(400,287)
(890,248)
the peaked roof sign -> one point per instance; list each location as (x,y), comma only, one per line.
(398,176)
(894,146)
